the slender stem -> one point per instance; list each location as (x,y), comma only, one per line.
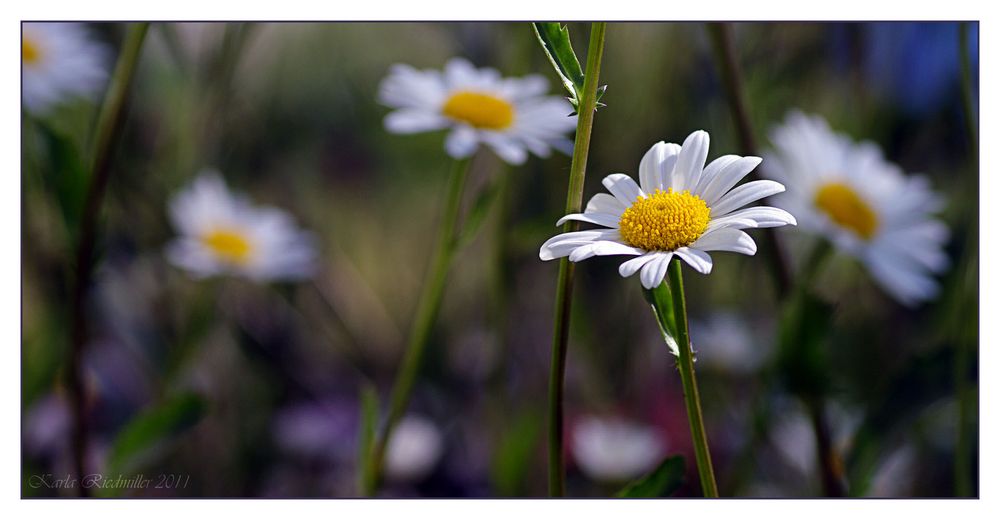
(564,285)
(686,368)
(423,322)
(732,79)
(963,357)
(106,132)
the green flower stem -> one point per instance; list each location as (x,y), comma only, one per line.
(106,132)
(965,348)
(423,322)
(686,368)
(732,79)
(564,285)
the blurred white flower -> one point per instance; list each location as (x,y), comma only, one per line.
(849,194)
(59,61)
(221,233)
(615,450)
(414,449)
(510,115)
(680,207)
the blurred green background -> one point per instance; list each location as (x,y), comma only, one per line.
(288,114)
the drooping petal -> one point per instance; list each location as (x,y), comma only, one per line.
(726,239)
(653,272)
(630,267)
(461,142)
(697,259)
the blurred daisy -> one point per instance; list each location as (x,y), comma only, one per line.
(679,208)
(59,61)
(849,194)
(510,115)
(615,450)
(224,234)
(414,449)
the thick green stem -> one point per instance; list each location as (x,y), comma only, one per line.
(423,322)
(106,131)
(686,368)
(564,285)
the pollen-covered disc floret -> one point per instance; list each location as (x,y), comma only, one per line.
(512,116)
(680,208)
(222,233)
(664,220)
(850,195)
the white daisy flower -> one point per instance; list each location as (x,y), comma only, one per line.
(849,194)
(221,233)
(615,450)
(414,449)
(510,115)
(679,208)
(59,61)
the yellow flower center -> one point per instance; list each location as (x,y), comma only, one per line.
(845,207)
(479,110)
(29,51)
(229,245)
(664,220)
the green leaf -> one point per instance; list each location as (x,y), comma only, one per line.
(142,439)
(554,38)
(802,334)
(663,481)
(662,302)
(69,176)
(366,435)
(515,454)
(477,214)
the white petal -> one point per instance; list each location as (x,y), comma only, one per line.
(755,217)
(745,194)
(601,219)
(461,142)
(604,203)
(650,179)
(412,120)
(629,267)
(690,162)
(603,248)
(563,244)
(697,259)
(653,272)
(711,171)
(623,188)
(727,177)
(726,239)
(508,149)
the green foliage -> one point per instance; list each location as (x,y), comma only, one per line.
(802,334)
(515,453)
(662,302)
(142,439)
(477,214)
(554,38)
(663,481)
(366,434)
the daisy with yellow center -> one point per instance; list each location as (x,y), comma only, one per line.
(223,234)
(59,61)
(680,207)
(867,207)
(512,116)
